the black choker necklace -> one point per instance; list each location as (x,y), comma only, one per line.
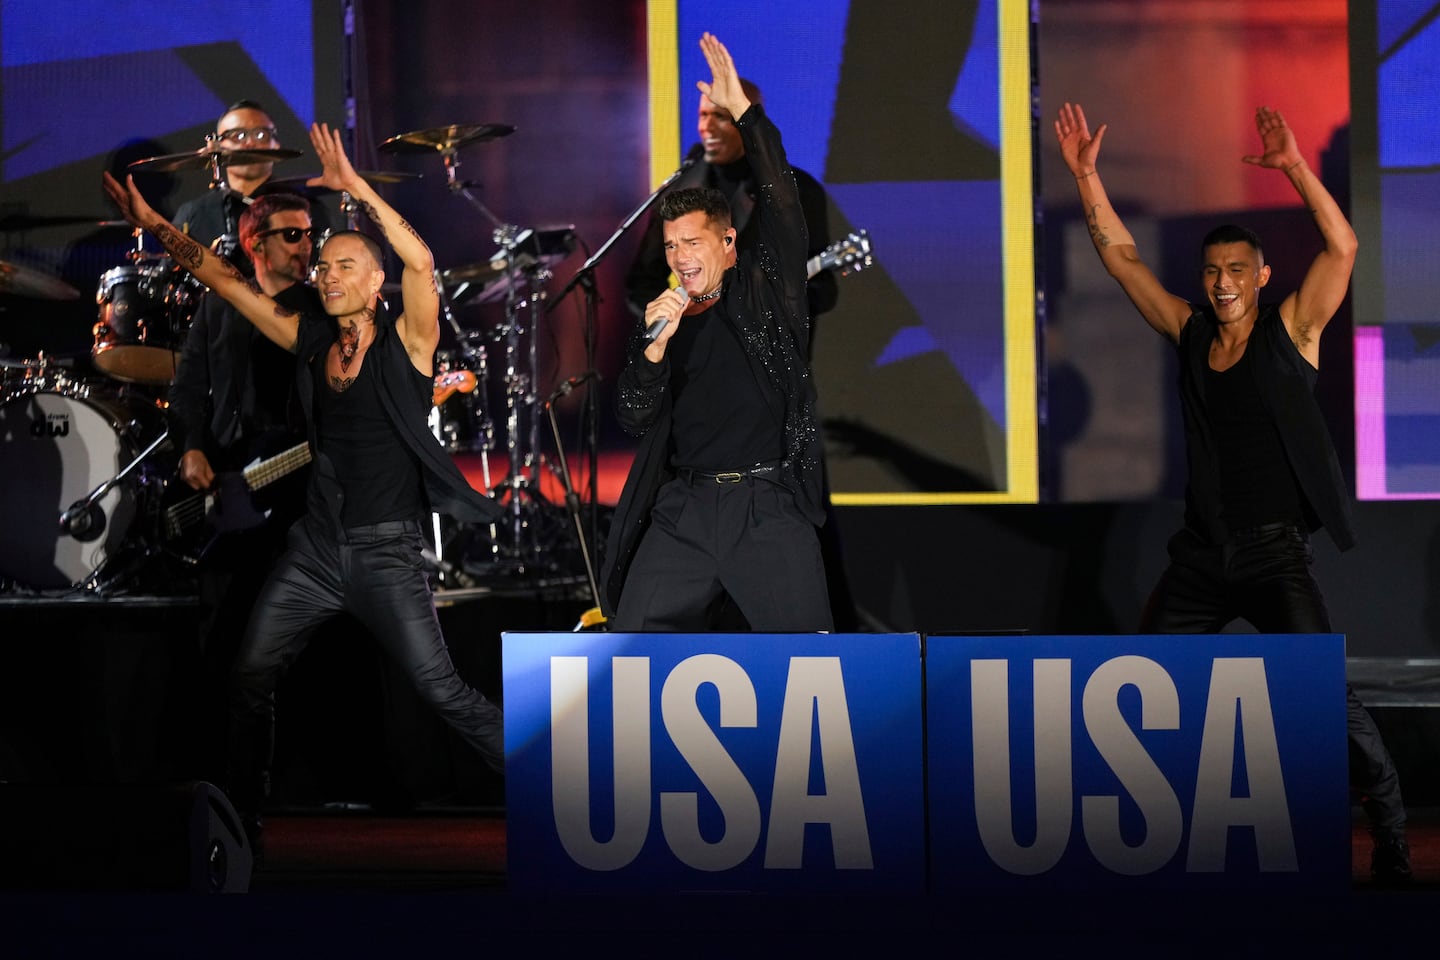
(709,296)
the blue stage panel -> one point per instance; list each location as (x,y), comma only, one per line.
(1134,764)
(675,763)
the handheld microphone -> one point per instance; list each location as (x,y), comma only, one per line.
(658,327)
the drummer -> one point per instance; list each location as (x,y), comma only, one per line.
(215,214)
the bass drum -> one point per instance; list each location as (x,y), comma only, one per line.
(57,448)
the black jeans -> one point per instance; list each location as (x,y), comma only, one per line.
(375,574)
(1263,576)
(707,540)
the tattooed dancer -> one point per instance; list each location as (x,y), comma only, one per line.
(365,382)
(1262,471)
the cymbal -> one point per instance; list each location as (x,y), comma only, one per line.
(489,280)
(442,139)
(374,176)
(202,158)
(482,272)
(25,281)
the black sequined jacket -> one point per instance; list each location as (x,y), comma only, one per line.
(763,296)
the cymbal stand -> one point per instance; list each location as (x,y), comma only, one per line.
(522,434)
(228,243)
(522,440)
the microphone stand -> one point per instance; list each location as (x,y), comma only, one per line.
(585,277)
(88,505)
(572,502)
(589,265)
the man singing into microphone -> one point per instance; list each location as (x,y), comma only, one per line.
(724,496)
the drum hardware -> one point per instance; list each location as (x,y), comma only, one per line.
(517,485)
(145,309)
(516,276)
(491,280)
(23,281)
(85,519)
(469,378)
(214,158)
(71,523)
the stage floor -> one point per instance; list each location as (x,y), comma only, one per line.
(464,849)
(355,884)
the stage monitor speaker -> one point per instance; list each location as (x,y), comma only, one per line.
(142,837)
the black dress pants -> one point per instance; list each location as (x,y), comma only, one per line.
(1264,577)
(377,575)
(707,540)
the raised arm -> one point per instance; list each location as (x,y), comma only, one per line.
(419,325)
(1161,309)
(273,320)
(724,89)
(1309,309)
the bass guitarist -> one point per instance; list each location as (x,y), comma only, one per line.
(233,400)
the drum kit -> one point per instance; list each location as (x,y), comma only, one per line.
(86,460)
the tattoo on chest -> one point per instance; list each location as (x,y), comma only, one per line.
(348,341)
(341,384)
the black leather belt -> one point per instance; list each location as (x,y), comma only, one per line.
(763,471)
(1264,530)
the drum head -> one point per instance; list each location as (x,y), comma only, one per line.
(55,450)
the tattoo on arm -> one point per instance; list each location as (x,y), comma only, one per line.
(285,313)
(189,253)
(1096,233)
(253,286)
(374,216)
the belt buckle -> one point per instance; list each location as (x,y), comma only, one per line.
(731,477)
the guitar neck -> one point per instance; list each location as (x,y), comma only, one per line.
(268,471)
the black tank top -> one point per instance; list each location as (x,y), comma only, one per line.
(1257,485)
(379,476)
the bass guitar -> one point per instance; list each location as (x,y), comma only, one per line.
(192,525)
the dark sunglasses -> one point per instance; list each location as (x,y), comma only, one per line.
(288,234)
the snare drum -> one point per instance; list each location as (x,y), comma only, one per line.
(145,309)
(56,449)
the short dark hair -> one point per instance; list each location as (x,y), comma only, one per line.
(256,216)
(706,200)
(246,105)
(366,239)
(1230,233)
